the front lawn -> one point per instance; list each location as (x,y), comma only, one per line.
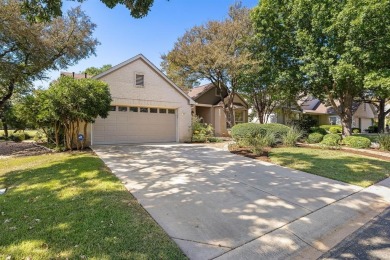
(61,206)
(334,164)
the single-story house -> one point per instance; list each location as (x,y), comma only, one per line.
(209,107)
(364,114)
(147,107)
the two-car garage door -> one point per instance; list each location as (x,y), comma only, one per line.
(135,125)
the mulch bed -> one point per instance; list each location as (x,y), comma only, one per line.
(10,148)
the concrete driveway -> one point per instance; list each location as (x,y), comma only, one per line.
(215,204)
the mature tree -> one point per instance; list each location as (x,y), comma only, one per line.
(28,50)
(215,52)
(331,72)
(274,81)
(45,10)
(366,25)
(93,71)
(74,103)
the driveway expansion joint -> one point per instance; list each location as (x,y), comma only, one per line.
(203,243)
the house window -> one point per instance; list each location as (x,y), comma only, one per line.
(122,109)
(238,117)
(133,109)
(163,111)
(334,120)
(112,108)
(143,109)
(139,80)
(171,111)
(153,110)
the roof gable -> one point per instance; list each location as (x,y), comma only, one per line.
(152,66)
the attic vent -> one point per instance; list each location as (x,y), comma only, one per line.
(139,80)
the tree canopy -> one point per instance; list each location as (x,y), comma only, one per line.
(214,51)
(93,71)
(29,50)
(45,10)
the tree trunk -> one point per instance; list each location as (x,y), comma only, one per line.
(5,126)
(85,135)
(8,94)
(381,115)
(346,123)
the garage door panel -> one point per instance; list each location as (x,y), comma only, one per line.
(130,127)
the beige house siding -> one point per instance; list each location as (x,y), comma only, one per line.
(157,92)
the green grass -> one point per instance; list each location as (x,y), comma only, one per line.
(64,205)
(29,132)
(334,164)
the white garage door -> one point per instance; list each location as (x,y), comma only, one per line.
(135,125)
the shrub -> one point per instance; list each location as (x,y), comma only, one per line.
(357,142)
(305,123)
(331,140)
(335,130)
(356,130)
(18,137)
(201,131)
(243,131)
(40,137)
(373,129)
(292,136)
(384,141)
(246,130)
(327,127)
(213,139)
(278,130)
(319,130)
(314,138)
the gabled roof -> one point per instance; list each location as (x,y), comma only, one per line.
(200,90)
(151,65)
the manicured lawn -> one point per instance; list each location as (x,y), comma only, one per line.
(333,164)
(61,206)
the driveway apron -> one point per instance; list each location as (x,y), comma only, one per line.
(212,202)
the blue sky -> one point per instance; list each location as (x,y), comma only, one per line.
(122,36)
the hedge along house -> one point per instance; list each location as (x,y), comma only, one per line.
(364,114)
(209,107)
(147,107)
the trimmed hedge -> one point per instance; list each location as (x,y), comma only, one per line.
(318,130)
(314,138)
(335,130)
(18,137)
(331,140)
(251,130)
(327,127)
(356,130)
(357,142)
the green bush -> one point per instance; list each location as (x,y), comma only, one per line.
(327,127)
(315,138)
(384,141)
(357,142)
(201,132)
(318,130)
(373,129)
(251,130)
(305,123)
(292,136)
(18,137)
(335,130)
(331,140)
(40,137)
(214,139)
(356,130)
(246,130)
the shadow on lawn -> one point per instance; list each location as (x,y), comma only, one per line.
(76,209)
(358,170)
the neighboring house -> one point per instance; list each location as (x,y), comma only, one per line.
(146,106)
(364,114)
(209,107)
